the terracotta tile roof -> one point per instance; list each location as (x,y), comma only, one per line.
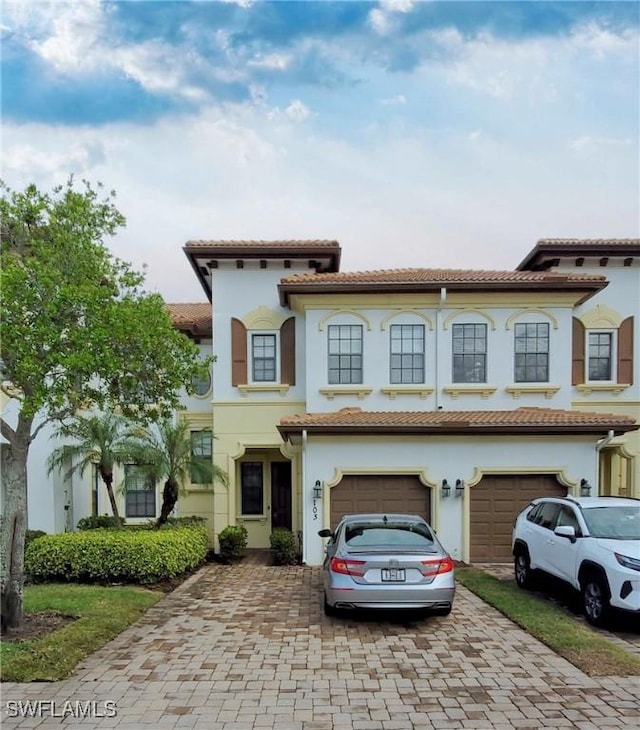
(547,248)
(544,420)
(423,280)
(284,245)
(195,318)
(589,242)
(436,276)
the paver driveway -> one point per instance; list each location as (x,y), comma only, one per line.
(249,647)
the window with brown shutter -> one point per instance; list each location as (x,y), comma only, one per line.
(577,356)
(238,352)
(625,351)
(288,352)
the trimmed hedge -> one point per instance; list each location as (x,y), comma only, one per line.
(116,556)
(31,535)
(98,522)
(233,541)
(284,546)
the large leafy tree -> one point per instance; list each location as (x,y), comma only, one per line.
(100,440)
(165,453)
(78,331)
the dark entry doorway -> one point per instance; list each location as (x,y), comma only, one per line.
(281,494)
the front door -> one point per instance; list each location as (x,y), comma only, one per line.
(281,494)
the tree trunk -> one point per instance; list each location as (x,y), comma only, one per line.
(13,524)
(169,499)
(107,478)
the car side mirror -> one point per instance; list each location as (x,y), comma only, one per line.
(567,531)
(325,533)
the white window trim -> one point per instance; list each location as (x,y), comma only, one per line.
(250,334)
(423,353)
(336,387)
(614,354)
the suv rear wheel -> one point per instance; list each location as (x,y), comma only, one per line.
(595,599)
(522,568)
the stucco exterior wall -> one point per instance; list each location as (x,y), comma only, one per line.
(250,293)
(437,458)
(500,392)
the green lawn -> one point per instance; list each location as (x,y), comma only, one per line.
(594,654)
(101,613)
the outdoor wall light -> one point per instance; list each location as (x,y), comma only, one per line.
(317,489)
(459,487)
(585,488)
(446,488)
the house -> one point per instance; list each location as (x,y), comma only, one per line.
(455,394)
(452,394)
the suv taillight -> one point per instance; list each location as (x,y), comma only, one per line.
(346,567)
(435,566)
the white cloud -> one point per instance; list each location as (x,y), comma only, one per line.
(588,145)
(240,3)
(538,69)
(397,100)
(297,111)
(70,34)
(381,18)
(272,61)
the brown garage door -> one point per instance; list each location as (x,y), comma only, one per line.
(495,502)
(371,493)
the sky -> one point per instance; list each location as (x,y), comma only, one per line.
(417,134)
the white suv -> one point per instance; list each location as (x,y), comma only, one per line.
(593,543)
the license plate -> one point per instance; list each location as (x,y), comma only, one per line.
(393,575)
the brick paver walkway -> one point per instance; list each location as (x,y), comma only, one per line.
(248,647)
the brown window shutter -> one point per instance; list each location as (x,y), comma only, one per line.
(625,351)
(238,352)
(577,356)
(288,351)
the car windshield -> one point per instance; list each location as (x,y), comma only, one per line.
(615,523)
(367,536)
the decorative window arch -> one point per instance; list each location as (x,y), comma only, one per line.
(465,312)
(322,324)
(399,312)
(531,310)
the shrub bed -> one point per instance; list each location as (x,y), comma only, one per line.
(233,541)
(284,547)
(31,535)
(98,522)
(116,556)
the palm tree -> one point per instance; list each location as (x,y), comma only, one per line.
(99,440)
(166,453)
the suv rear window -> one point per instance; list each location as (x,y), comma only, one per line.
(398,535)
(615,523)
(545,514)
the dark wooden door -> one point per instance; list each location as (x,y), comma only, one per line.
(281,494)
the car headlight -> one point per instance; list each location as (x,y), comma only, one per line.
(628,562)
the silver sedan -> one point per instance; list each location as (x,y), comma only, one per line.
(389,561)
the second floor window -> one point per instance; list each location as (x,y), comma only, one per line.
(599,355)
(407,353)
(532,352)
(345,353)
(263,354)
(469,353)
